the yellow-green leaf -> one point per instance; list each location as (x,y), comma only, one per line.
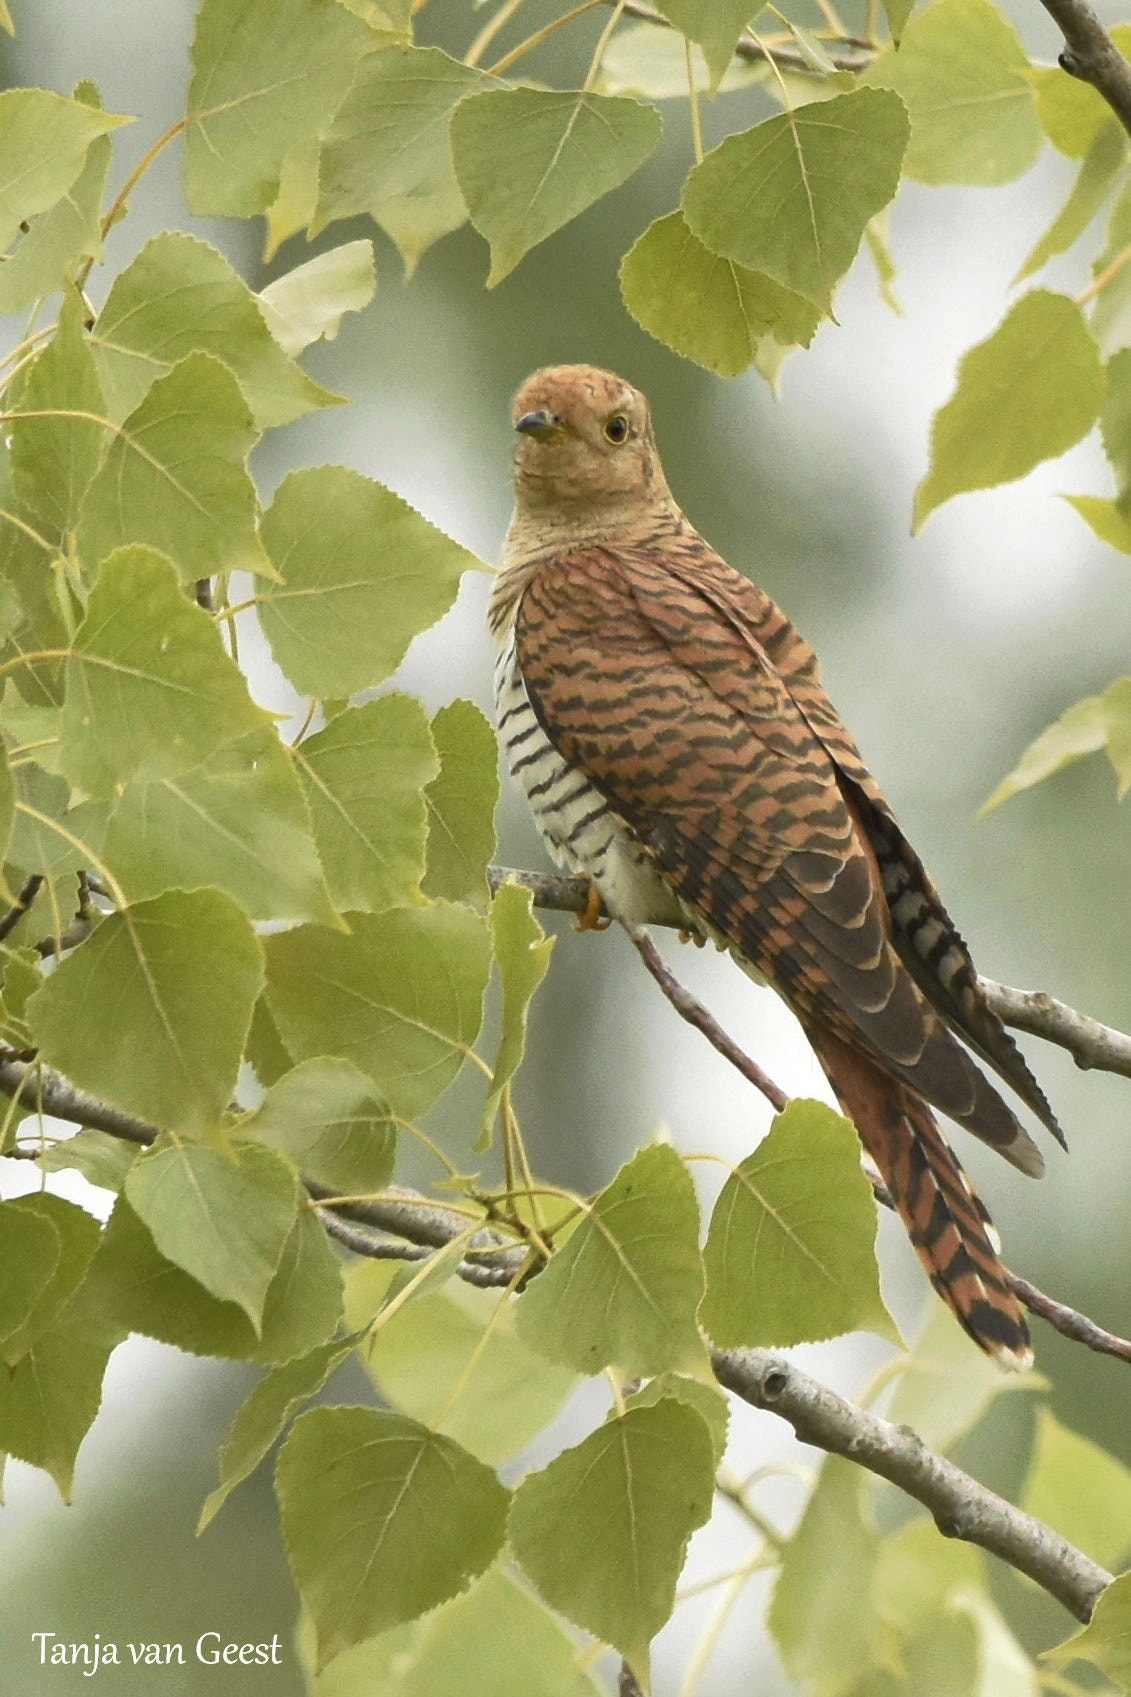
(960,71)
(1098,171)
(790,1253)
(529,159)
(1025,394)
(704,306)
(791,197)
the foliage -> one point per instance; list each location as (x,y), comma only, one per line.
(276,953)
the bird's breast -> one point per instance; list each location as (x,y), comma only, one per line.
(581,830)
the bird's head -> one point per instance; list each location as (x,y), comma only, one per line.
(585,452)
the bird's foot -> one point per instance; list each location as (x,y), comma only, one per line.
(592,916)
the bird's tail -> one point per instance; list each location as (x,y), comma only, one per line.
(945,1218)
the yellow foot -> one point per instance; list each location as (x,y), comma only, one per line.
(592,916)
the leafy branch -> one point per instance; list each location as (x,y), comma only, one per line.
(961,1506)
(1091,55)
(1090,1043)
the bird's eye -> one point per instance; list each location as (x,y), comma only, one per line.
(616,429)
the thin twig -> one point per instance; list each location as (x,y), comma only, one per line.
(860,55)
(960,1505)
(21,905)
(696,1014)
(362,1242)
(1091,55)
(415,1219)
(1088,1042)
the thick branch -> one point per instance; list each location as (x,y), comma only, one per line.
(961,1507)
(1088,1042)
(1090,54)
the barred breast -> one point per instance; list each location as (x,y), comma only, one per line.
(579,827)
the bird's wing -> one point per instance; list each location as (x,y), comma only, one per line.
(921,930)
(672,709)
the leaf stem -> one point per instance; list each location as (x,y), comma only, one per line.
(599,51)
(539,36)
(693,103)
(489,31)
(117,205)
(1104,277)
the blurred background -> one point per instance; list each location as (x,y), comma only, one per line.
(945,653)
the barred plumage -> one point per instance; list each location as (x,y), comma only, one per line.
(670,729)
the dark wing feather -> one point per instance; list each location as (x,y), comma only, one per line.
(645,677)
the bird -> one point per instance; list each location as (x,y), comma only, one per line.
(670,729)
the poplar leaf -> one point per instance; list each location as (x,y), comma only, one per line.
(528,160)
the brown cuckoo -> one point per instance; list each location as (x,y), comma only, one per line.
(669,727)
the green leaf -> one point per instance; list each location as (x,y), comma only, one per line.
(960,71)
(363,573)
(264,80)
(1111,310)
(146,1293)
(625,1287)
(54,457)
(716,28)
(1102,164)
(175,476)
(528,160)
(401,996)
(1115,420)
(1080,1489)
(706,307)
(224,1218)
(101,1159)
(382,1519)
(49,1399)
(917,1573)
(652,63)
(1070,110)
(293,207)
(76,1236)
(181,974)
(269,1408)
(52,838)
(603,1530)
(791,197)
(67,233)
(30,1250)
(944,1387)
(44,138)
(522,954)
(151,691)
(451,1359)
(363,776)
(1025,394)
(388,154)
(180,296)
(495,1639)
(461,802)
(897,13)
(1106,1640)
(1081,729)
(709,1400)
(308,304)
(822,1615)
(237,821)
(325,1116)
(1106,518)
(790,1253)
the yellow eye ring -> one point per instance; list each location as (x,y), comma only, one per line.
(616,429)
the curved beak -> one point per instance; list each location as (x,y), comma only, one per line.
(541,425)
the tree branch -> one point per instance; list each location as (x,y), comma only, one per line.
(960,1505)
(1088,1042)
(860,54)
(1091,55)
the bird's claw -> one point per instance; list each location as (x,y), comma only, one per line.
(592,916)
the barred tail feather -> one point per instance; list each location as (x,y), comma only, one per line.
(944,1216)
